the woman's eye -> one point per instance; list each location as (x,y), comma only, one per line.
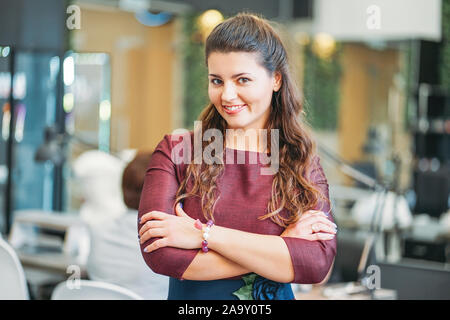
(243,80)
(216,81)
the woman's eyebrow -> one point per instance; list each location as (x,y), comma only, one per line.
(234,76)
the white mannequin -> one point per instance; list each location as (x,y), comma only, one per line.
(99,177)
(115,255)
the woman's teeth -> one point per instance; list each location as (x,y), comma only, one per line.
(232,108)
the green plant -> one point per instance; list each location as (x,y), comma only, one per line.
(321,89)
(195,73)
(445,49)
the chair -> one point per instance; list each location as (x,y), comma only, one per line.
(93,290)
(13,285)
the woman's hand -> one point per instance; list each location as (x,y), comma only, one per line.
(312,225)
(174,230)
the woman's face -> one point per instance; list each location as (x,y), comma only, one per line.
(241,89)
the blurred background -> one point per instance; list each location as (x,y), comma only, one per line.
(86,85)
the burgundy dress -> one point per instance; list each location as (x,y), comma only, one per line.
(244,195)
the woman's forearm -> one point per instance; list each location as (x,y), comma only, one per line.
(263,254)
(266,255)
(212,266)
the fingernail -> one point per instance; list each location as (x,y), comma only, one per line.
(139,237)
(145,250)
(139,220)
(198,224)
(181,205)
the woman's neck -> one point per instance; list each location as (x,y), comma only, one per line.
(248,140)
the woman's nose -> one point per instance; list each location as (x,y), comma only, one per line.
(229,92)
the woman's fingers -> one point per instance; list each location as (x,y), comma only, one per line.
(317,219)
(318,236)
(150,224)
(152,233)
(179,210)
(313,222)
(158,215)
(321,227)
(311,213)
(156,245)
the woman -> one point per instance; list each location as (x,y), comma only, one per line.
(263,231)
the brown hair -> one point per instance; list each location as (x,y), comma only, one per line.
(290,188)
(133,179)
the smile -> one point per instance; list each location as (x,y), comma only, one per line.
(234,109)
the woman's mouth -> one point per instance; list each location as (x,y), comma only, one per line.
(234,108)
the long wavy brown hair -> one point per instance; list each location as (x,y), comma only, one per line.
(290,187)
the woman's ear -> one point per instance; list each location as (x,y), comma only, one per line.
(277,80)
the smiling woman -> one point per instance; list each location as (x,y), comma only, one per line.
(241,98)
(259,233)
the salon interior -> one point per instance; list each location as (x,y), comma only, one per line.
(86,85)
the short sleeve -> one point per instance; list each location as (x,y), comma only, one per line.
(158,194)
(312,260)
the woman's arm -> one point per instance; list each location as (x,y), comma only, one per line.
(295,256)
(312,260)
(283,259)
(158,193)
(213,266)
(179,232)
(265,255)
(200,268)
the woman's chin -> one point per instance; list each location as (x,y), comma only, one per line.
(236,125)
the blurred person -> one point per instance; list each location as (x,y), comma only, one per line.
(114,256)
(223,230)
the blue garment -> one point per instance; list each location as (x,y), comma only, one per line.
(223,290)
